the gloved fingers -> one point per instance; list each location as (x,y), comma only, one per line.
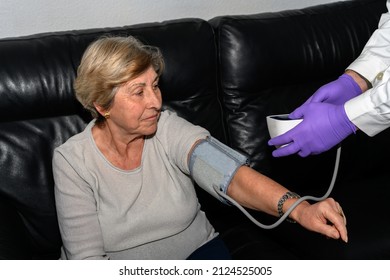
(286,150)
(286,143)
(304,152)
(299,112)
(281,140)
(320,95)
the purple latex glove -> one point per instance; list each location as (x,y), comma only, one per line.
(324,125)
(337,92)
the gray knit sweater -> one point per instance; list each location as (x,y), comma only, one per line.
(151,212)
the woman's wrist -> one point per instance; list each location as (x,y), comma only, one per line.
(286,201)
(296,213)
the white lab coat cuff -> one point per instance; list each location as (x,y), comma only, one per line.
(362,113)
(369,66)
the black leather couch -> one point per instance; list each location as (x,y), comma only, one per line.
(226,74)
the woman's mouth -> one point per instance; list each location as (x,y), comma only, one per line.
(152,117)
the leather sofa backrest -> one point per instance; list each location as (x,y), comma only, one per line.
(38,111)
(270,63)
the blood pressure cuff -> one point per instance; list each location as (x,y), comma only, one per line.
(212,163)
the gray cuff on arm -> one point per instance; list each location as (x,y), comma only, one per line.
(212,163)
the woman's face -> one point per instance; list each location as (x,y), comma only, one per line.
(137,104)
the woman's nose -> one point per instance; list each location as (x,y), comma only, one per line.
(154,98)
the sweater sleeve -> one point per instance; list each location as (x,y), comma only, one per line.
(178,136)
(76,211)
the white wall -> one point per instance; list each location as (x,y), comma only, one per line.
(25,17)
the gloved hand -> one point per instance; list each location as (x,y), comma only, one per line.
(337,92)
(324,126)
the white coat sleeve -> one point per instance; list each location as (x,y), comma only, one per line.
(370,111)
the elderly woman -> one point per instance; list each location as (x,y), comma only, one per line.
(124,186)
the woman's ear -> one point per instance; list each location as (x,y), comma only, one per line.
(101,111)
(99,108)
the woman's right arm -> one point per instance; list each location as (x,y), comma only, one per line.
(76,212)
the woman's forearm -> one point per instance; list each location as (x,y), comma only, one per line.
(256,191)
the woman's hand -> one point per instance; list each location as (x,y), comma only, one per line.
(325,217)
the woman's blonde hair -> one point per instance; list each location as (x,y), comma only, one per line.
(108,63)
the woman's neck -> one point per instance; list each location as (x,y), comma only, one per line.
(124,152)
